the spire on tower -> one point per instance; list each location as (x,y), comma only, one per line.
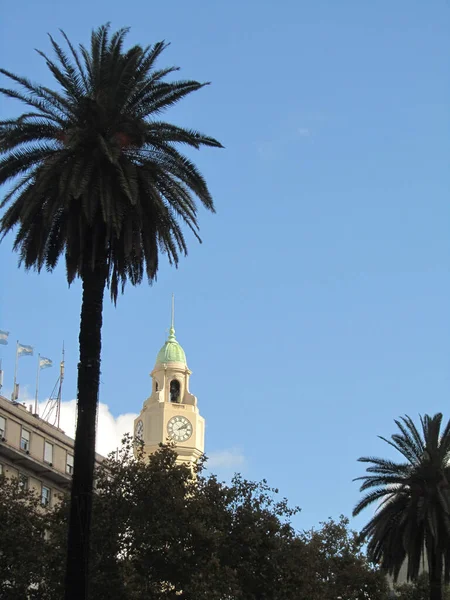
(172,321)
(171,351)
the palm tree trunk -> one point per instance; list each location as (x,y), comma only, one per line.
(76,583)
(435,576)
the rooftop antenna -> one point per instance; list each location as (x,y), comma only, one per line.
(36,405)
(61,379)
(52,410)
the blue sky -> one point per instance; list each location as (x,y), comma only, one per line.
(317,309)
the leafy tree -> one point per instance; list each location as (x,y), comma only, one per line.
(163,532)
(341,567)
(419,590)
(414,515)
(22,541)
(99,179)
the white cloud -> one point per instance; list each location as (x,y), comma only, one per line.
(110,429)
(225,459)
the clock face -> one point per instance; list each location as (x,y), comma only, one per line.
(179,429)
(139,430)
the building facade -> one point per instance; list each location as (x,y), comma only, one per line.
(39,454)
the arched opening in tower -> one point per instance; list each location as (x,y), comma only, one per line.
(175,390)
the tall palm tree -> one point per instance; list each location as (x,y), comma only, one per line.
(98,178)
(412,520)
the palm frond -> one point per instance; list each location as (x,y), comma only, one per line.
(382,465)
(17,133)
(163,96)
(369,499)
(414,433)
(69,78)
(41,105)
(92,172)
(167,133)
(77,60)
(21,160)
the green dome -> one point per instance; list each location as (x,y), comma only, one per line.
(171,351)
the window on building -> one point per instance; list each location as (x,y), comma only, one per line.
(2,427)
(23,481)
(69,464)
(45,496)
(25,439)
(48,452)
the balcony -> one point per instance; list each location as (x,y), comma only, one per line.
(22,459)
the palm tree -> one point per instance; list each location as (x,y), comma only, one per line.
(413,517)
(98,178)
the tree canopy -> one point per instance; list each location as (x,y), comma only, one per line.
(418,590)
(161,531)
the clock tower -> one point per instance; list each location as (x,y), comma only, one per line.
(171,412)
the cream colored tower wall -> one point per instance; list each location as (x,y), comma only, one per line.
(158,410)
